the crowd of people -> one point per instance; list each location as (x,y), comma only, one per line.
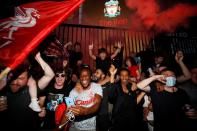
(130,94)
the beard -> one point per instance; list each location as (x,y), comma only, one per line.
(16,88)
(95,79)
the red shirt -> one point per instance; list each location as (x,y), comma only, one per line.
(133,71)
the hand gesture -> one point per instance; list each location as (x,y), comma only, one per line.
(77,110)
(68,44)
(65,63)
(132,79)
(119,45)
(151,73)
(112,70)
(38,55)
(159,77)
(42,113)
(134,86)
(179,56)
(91,46)
(78,87)
(191,113)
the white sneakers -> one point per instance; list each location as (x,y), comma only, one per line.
(34,105)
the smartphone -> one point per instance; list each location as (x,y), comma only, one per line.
(69,101)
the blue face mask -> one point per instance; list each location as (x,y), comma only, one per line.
(170,81)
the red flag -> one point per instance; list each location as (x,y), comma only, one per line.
(32,22)
(59,112)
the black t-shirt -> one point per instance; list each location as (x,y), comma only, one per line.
(168,109)
(124,113)
(103,110)
(103,117)
(103,64)
(117,60)
(20,116)
(54,97)
(74,57)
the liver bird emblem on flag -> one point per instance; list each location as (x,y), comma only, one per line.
(24,17)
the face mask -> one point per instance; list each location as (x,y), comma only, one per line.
(170,81)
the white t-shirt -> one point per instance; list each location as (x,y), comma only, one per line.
(86,99)
(150,116)
(146,101)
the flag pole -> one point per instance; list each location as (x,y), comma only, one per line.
(4,72)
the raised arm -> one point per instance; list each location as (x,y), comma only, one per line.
(111,78)
(48,72)
(3,82)
(140,96)
(65,49)
(138,74)
(117,50)
(144,84)
(112,71)
(103,82)
(67,44)
(186,73)
(90,52)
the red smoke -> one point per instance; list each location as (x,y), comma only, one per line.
(148,16)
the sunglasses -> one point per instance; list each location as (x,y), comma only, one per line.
(60,75)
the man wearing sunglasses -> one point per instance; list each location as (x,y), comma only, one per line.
(54,95)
